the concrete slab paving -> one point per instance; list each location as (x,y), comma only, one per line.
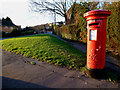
(18,74)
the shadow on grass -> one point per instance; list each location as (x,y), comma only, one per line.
(13,83)
(37,35)
(33,35)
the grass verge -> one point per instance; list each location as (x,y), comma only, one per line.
(46,48)
(51,50)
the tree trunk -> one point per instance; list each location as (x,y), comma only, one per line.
(65,19)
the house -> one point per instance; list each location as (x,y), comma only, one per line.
(42,27)
(7,25)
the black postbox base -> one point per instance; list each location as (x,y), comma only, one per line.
(97,73)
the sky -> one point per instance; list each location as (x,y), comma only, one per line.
(20,13)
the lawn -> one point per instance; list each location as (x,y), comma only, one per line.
(46,48)
(51,50)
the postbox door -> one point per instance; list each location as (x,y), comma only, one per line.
(101,45)
(95,44)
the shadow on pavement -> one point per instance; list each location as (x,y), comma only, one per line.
(104,74)
(13,83)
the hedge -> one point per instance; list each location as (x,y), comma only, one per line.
(15,32)
(113,28)
(78,31)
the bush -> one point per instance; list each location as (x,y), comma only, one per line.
(78,30)
(28,32)
(15,32)
(12,33)
(4,34)
(113,31)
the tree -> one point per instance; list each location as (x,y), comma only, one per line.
(113,25)
(8,19)
(60,7)
(91,5)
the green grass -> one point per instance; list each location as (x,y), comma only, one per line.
(46,48)
(51,50)
(32,63)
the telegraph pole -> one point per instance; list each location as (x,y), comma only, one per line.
(54,16)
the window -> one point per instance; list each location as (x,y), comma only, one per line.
(11,27)
(47,27)
(6,27)
(6,32)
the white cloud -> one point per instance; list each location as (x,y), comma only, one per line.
(18,11)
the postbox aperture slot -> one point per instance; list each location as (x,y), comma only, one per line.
(93,35)
(94,24)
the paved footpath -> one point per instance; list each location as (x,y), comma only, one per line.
(111,62)
(18,74)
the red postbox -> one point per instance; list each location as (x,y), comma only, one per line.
(96,38)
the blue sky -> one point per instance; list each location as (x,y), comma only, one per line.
(20,13)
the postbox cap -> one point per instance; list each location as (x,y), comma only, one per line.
(97,12)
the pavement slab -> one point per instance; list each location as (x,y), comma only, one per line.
(18,74)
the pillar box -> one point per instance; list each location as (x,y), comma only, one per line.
(96,38)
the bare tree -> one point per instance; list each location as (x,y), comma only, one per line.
(59,7)
(91,5)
